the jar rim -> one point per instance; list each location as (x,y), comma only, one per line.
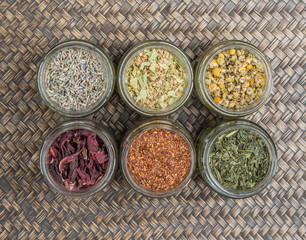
(109,82)
(127,58)
(85,124)
(225,127)
(143,127)
(200,74)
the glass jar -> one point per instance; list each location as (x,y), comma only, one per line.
(86,125)
(131,54)
(206,140)
(108,70)
(143,127)
(200,74)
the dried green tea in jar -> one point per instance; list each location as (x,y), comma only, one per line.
(239,159)
(155,78)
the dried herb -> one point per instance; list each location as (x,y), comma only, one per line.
(239,159)
(155,79)
(235,78)
(78,159)
(159,159)
(75,78)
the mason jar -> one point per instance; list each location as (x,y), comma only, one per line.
(200,75)
(83,124)
(109,76)
(206,140)
(156,123)
(125,63)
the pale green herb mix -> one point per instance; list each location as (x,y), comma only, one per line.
(155,79)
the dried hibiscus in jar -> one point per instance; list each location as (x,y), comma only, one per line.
(78,159)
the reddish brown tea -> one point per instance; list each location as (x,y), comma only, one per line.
(78,159)
(159,159)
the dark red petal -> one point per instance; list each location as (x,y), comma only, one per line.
(53,152)
(68,159)
(101,156)
(71,186)
(92,143)
(84,176)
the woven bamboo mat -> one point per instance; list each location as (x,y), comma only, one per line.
(30,210)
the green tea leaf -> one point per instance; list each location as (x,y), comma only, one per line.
(163,105)
(172,93)
(171,100)
(180,80)
(144,64)
(134,83)
(153,55)
(239,159)
(145,80)
(153,68)
(143,94)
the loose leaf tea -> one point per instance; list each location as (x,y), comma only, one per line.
(239,159)
(159,159)
(155,79)
(235,78)
(78,159)
(75,78)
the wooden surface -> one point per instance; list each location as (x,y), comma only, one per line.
(30,210)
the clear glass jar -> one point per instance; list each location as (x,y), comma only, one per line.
(131,54)
(109,76)
(143,127)
(200,74)
(79,124)
(206,140)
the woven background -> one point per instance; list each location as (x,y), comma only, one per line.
(30,210)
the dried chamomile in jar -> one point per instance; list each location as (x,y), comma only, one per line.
(235,78)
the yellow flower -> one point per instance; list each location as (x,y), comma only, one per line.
(212,86)
(213,61)
(216,72)
(248,67)
(221,85)
(263,82)
(221,55)
(219,60)
(232,51)
(241,69)
(217,99)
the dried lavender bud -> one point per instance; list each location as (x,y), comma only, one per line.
(75,78)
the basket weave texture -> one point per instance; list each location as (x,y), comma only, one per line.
(30,210)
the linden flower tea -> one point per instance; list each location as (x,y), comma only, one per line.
(155,79)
